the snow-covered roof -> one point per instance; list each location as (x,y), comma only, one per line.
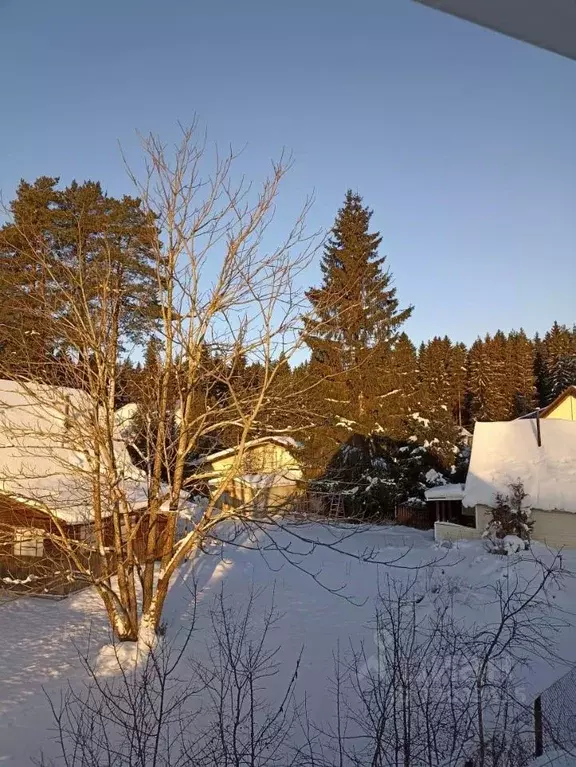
(445,493)
(505,452)
(45,457)
(125,417)
(278,439)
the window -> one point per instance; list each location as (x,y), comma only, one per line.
(28,542)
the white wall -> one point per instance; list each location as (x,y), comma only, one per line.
(448,531)
(554,528)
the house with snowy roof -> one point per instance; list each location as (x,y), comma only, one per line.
(563,407)
(264,473)
(541,454)
(47,481)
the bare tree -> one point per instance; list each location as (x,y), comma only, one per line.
(439,691)
(222,286)
(209,711)
(226,293)
(416,700)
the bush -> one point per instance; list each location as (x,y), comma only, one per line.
(510,523)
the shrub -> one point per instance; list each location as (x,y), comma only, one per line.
(510,520)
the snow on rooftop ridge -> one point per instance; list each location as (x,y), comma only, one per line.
(453,492)
(279,439)
(505,452)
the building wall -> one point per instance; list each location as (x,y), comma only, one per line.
(260,459)
(261,498)
(448,531)
(554,528)
(16,517)
(266,458)
(565,411)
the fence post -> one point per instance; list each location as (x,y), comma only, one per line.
(538,728)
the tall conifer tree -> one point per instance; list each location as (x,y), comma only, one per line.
(357,320)
(358,356)
(54,232)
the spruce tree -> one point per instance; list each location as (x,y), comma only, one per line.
(521,373)
(356,320)
(478,381)
(457,383)
(540,372)
(559,359)
(433,424)
(405,372)
(500,395)
(491,392)
(358,357)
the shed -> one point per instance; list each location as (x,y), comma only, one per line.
(563,407)
(46,482)
(263,473)
(512,451)
(445,503)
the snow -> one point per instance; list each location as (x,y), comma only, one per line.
(512,544)
(434,477)
(453,492)
(125,418)
(279,439)
(555,758)
(45,448)
(40,639)
(420,419)
(507,452)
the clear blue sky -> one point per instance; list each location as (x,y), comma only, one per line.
(462,141)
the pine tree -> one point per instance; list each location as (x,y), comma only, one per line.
(77,230)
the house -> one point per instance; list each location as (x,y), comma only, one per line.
(46,485)
(563,407)
(539,453)
(264,476)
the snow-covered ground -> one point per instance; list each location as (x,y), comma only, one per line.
(39,639)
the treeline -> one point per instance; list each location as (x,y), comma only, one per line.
(378,419)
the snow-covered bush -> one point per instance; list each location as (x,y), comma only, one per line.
(509,528)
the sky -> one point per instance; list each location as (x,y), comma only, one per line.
(462,141)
